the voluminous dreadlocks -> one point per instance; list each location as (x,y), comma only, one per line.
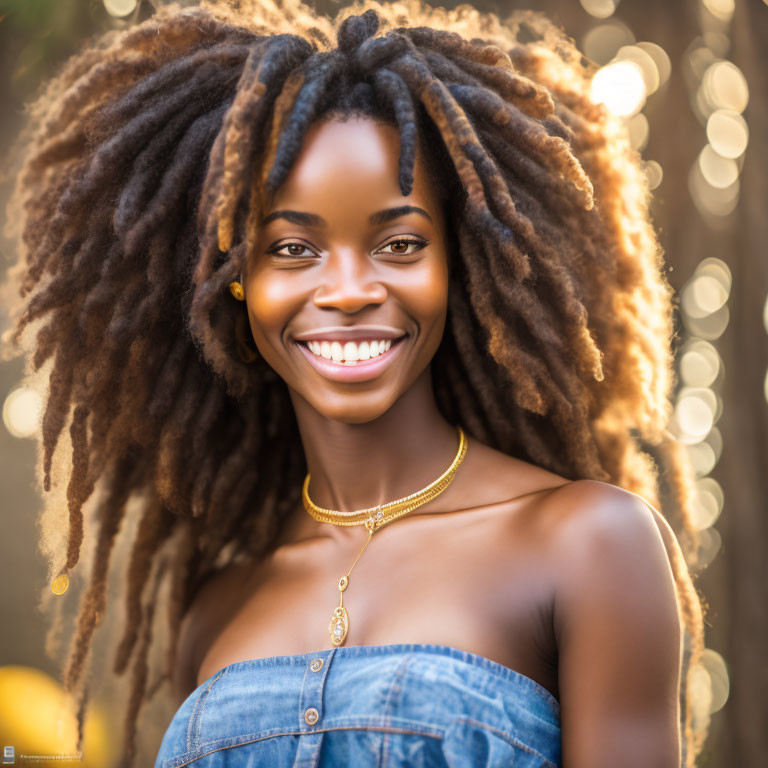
(144,161)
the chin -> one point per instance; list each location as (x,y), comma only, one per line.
(353,408)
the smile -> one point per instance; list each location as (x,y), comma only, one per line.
(330,358)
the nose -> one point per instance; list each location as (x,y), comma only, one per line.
(349,283)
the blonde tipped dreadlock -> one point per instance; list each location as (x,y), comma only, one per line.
(144,160)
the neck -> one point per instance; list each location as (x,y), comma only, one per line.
(356,466)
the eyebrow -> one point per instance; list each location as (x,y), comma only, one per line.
(313,220)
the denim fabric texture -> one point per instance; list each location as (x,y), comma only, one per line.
(414,705)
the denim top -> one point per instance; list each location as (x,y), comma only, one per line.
(405,705)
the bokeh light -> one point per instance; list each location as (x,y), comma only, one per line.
(660,59)
(727,133)
(724,87)
(718,42)
(702,457)
(720,9)
(120,7)
(600,9)
(718,95)
(715,439)
(703,302)
(695,413)
(700,692)
(705,454)
(39,717)
(699,364)
(719,172)
(708,502)
(710,327)
(712,201)
(620,86)
(700,57)
(709,293)
(601,43)
(644,61)
(702,295)
(21,412)
(710,542)
(765,315)
(654,173)
(718,269)
(709,685)
(714,663)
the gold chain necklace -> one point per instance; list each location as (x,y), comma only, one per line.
(373,519)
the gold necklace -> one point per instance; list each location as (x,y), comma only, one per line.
(373,519)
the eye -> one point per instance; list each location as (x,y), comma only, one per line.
(296,250)
(416,243)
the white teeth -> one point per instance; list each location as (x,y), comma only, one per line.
(351,352)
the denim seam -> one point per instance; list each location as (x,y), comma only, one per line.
(196,718)
(506,737)
(395,687)
(190,758)
(376,723)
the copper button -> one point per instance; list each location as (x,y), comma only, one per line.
(310,716)
(316,665)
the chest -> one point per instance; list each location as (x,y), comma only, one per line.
(468,584)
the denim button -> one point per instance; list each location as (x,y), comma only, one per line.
(311,716)
(316,665)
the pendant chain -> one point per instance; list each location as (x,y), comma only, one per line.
(373,519)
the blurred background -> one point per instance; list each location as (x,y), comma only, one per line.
(689,78)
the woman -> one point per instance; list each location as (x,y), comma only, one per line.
(367,317)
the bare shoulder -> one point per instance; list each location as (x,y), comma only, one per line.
(585,509)
(215,596)
(609,541)
(617,626)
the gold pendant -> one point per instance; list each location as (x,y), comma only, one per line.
(339,626)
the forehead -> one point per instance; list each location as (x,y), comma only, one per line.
(353,162)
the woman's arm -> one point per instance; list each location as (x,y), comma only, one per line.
(203,619)
(618,631)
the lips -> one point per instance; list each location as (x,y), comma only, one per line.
(361,371)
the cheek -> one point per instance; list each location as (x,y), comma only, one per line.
(271,301)
(427,292)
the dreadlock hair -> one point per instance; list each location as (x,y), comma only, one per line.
(143,162)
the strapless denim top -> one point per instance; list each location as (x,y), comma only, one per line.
(405,705)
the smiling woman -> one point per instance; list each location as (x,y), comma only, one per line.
(310,285)
(363,267)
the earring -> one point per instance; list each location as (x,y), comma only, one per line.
(236,289)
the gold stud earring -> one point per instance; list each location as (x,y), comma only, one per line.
(236,289)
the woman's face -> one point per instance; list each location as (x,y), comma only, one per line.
(343,261)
